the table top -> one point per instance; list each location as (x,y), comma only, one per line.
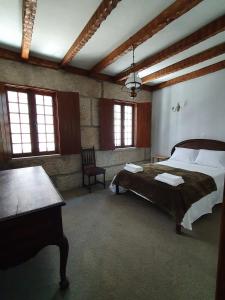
(26,190)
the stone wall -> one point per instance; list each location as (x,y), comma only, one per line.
(65,171)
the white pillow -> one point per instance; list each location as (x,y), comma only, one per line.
(211,158)
(184,154)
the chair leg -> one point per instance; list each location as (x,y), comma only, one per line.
(89,184)
(95,179)
(104,180)
(83,179)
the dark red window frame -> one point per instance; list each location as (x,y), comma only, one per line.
(31,92)
(123,104)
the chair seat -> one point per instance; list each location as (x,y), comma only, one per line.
(92,171)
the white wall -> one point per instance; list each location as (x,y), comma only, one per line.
(202,116)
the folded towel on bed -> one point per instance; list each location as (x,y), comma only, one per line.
(133,168)
(170,179)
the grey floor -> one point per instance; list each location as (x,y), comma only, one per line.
(123,248)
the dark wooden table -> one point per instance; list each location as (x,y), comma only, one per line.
(30,218)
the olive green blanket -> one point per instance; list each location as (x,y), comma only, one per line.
(175,200)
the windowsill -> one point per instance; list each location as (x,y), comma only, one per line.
(125,148)
(36,157)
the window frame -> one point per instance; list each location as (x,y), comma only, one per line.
(31,92)
(123,104)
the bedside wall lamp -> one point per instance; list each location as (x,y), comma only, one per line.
(178,106)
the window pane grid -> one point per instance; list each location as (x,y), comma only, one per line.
(123,125)
(19,122)
(128,128)
(45,123)
(117,125)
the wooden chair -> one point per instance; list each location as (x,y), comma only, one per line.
(90,169)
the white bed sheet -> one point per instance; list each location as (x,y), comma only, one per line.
(205,204)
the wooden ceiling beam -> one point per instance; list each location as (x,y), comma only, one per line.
(14,56)
(185,63)
(29,12)
(192,75)
(193,39)
(102,12)
(174,11)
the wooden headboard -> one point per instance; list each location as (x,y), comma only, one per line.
(201,144)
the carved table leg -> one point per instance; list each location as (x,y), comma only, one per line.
(64,249)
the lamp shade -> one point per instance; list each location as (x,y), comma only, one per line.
(133,81)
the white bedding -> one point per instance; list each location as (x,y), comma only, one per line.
(205,204)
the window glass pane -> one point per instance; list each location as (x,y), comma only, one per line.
(12,96)
(25,138)
(117,125)
(48,110)
(25,128)
(51,146)
(39,99)
(16,138)
(117,108)
(26,148)
(49,129)
(50,137)
(40,119)
(128,128)
(49,119)
(13,107)
(41,137)
(17,148)
(42,147)
(14,118)
(41,128)
(48,100)
(23,108)
(40,109)
(15,128)
(22,97)
(24,118)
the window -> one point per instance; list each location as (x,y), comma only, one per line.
(123,125)
(32,122)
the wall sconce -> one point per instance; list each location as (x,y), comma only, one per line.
(178,106)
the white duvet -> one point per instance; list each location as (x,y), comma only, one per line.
(205,204)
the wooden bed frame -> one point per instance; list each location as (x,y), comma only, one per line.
(195,144)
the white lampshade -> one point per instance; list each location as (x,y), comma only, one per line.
(133,81)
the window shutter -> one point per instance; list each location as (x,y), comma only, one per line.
(5,145)
(69,122)
(106,124)
(143,125)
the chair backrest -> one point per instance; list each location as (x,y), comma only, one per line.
(88,157)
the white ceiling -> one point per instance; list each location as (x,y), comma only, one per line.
(11,24)
(58,23)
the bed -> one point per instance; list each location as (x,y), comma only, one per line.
(206,191)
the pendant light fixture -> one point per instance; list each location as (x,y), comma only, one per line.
(133,82)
